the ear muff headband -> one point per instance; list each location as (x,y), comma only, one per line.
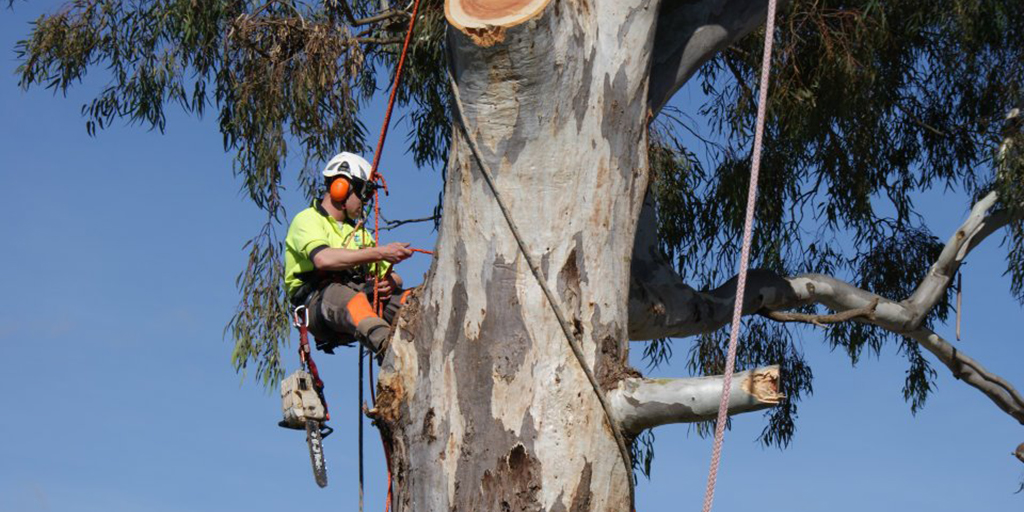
(340,189)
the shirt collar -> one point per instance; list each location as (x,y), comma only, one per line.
(322,211)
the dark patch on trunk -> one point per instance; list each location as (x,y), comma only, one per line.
(505,319)
(610,367)
(570,277)
(409,316)
(514,484)
(611,363)
(581,101)
(622,123)
(582,496)
(568,288)
(428,426)
(514,481)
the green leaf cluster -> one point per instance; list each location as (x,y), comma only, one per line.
(871,104)
(282,77)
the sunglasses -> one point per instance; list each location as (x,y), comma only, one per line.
(363,189)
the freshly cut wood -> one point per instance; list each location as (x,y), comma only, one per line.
(477,14)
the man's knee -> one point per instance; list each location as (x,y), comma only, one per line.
(347,309)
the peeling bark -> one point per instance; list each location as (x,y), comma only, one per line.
(646,403)
(515,422)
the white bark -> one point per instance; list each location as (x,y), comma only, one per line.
(646,403)
(481,402)
(488,408)
(975,229)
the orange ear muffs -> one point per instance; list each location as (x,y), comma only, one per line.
(339,189)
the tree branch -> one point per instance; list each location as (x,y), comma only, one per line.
(822,320)
(387,15)
(669,308)
(690,33)
(975,229)
(661,305)
(639,404)
(970,371)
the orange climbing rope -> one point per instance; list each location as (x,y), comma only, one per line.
(376,176)
(374,173)
(741,284)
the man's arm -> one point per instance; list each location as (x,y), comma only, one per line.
(329,258)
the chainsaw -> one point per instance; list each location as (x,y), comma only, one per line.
(304,410)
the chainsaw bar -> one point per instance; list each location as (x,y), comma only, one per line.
(316,452)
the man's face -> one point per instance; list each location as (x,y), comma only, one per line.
(354,206)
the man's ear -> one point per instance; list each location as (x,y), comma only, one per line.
(340,189)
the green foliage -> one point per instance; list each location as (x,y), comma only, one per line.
(263,313)
(920,375)
(282,76)
(641,454)
(1010,186)
(870,104)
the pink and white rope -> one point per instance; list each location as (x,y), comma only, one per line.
(741,284)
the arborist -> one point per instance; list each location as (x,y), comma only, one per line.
(331,261)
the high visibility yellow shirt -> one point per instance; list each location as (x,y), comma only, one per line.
(312,230)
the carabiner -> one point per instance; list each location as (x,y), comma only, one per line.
(300,317)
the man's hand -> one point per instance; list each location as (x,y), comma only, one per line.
(395,252)
(385,287)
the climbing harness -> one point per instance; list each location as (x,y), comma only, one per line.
(574,345)
(741,284)
(302,400)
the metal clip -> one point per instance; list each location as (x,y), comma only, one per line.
(300,317)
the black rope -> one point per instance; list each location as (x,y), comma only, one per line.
(359,411)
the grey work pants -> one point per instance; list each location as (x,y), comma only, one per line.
(342,313)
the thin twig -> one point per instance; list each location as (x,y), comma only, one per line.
(378,40)
(347,11)
(394,13)
(823,320)
(392,224)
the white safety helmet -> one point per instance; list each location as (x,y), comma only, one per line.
(348,164)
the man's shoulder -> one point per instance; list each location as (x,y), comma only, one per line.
(306,223)
(307,215)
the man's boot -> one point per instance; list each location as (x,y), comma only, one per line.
(377,340)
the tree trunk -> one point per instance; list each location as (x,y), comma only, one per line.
(482,402)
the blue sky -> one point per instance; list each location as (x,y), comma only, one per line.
(119,264)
